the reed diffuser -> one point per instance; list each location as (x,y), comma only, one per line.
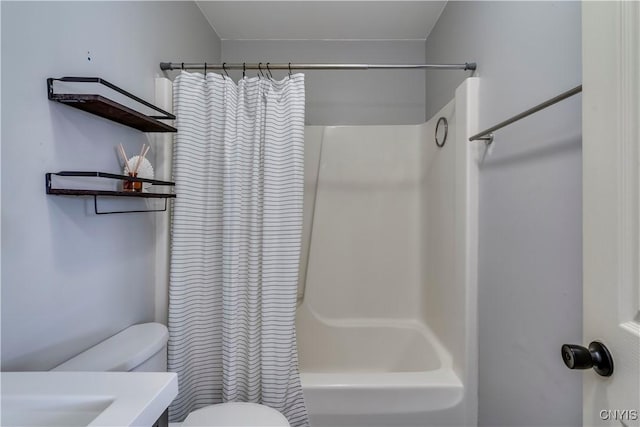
(133,171)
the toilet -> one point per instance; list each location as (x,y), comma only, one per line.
(143,348)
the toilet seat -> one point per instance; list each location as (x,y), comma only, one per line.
(236,414)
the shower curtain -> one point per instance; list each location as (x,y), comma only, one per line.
(236,236)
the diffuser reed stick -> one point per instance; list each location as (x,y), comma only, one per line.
(135,170)
(124,156)
(141,158)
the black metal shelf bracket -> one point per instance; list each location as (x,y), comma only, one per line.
(99,212)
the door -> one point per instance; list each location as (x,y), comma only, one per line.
(611,202)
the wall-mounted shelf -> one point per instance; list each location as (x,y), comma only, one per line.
(109,109)
(108,193)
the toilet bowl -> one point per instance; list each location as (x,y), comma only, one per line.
(144,348)
(235,414)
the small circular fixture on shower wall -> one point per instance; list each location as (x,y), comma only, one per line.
(441,134)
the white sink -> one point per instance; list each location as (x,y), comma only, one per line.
(75,399)
(53,410)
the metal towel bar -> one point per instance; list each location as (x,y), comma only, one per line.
(487,134)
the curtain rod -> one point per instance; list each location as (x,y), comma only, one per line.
(487,134)
(265,66)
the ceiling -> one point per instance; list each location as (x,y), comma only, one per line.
(322,20)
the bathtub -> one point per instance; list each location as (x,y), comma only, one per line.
(376,373)
(386,323)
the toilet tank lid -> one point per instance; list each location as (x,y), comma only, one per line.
(124,351)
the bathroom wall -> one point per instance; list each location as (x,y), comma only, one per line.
(530,254)
(379,97)
(71,278)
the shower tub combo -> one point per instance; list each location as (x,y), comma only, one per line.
(386,323)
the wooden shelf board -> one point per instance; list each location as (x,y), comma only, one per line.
(109,109)
(73,192)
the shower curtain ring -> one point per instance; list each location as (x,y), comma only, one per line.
(205,70)
(244,69)
(183,66)
(224,68)
(260,69)
(269,71)
(289,70)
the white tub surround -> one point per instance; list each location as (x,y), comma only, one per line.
(387,324)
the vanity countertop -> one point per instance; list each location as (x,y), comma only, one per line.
(85,398)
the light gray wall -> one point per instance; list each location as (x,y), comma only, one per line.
(71,278)
(346,97)
(530,283)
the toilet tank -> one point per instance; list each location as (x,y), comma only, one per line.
(140,347)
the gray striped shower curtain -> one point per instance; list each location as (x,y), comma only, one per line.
(235,243)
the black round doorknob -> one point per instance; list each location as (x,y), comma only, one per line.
(597,356)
